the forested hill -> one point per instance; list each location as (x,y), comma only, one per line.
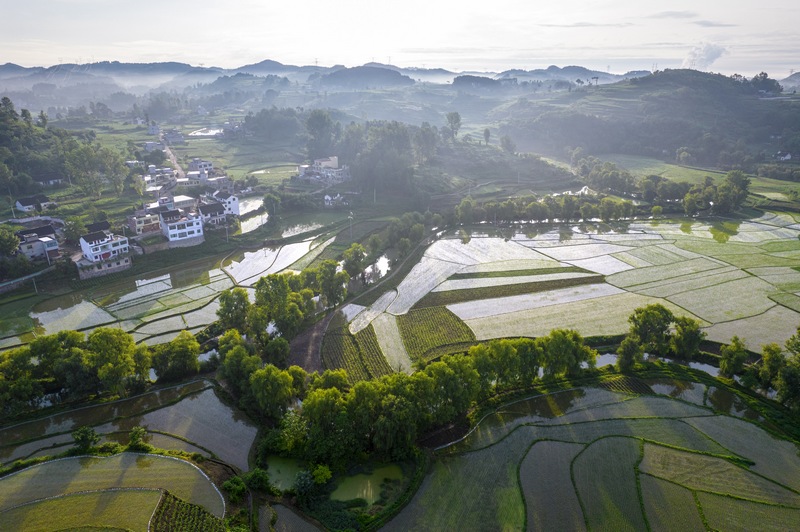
(721,120)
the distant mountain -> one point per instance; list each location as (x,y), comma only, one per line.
(365,77)
(568,73)
(10,70)
(430,75)
(792,81)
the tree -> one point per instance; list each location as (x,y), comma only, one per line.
(237,368)
(142,363)
(732,358)
(651,325)
(629,353)
(178,358)
(112,357)
(272,390)
(137,440)
(486,135)
(685,341)
(508,145)
(772,362)
(74,228)
(233,307)
(332,283)
(454,122)
(85,438)
(353,260)
(9,242)
(321,131)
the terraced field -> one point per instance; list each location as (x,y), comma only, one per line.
(593,459)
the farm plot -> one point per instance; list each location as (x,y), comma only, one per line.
(727,301)
(340,351)
(688,283)
(604,264)
(202,419)
(711,474)
(775,325)
(605,480)
(510,265)
(589,317)
(784,278)
(582,251)
(550,499)
(371,354)
(487,282)
(84,315)
(125,470)
(481,250)
(497,306)
(659,255)
(425,329)
(724,513)
(423,278)
(692,392)
(366,316)
(637,407)
(128,509)
(774,458)
(390,342)
(669,506)
(639,276)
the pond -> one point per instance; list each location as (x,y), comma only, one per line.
(367,486)
(283,471)
(93,415)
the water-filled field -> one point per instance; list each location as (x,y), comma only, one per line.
(596,459)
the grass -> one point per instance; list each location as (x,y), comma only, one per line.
(125,470)
(428,328)
(669,506)
(725,513)
(128,509)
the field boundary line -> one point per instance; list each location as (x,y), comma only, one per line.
(83,492)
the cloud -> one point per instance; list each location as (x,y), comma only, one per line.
(703,55)
(587,25)
(712,24)
(674,14)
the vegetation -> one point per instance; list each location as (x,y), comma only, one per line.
(176,514)
(426,328)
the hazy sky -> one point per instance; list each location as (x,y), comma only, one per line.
(718,35)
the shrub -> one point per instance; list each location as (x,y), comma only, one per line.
(236,489)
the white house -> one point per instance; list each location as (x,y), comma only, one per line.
(103,253)
(32,203)
(182,228)
(230,201)
(153,129)
(37,247)
(153,146)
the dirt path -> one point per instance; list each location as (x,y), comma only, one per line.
(306,349)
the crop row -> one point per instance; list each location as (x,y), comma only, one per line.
(371,353)
(449,297)
(174,514)
(424,329)
(340,351)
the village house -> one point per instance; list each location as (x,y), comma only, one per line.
(173,136)
(325,171)
(33,203)
(230,201)
(199,165)
(182,229)
(212,213)
(103,253)
(153,146)
(49,180)
(37,247)
(144,223)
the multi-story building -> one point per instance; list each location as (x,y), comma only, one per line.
(37,247)
(182,229)
(212,213)
(230,201)
(103,253)
(199,165)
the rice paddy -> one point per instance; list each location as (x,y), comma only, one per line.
(601,460)
(735,277)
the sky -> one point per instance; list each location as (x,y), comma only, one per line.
(725,36)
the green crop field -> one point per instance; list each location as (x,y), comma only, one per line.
(604,460)
(128,509)
(427,328)
(126,470)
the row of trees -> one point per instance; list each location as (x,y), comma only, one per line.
(71,366)
(563,208)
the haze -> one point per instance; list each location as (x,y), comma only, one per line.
(721,36)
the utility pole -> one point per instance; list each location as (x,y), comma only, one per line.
(351,225)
